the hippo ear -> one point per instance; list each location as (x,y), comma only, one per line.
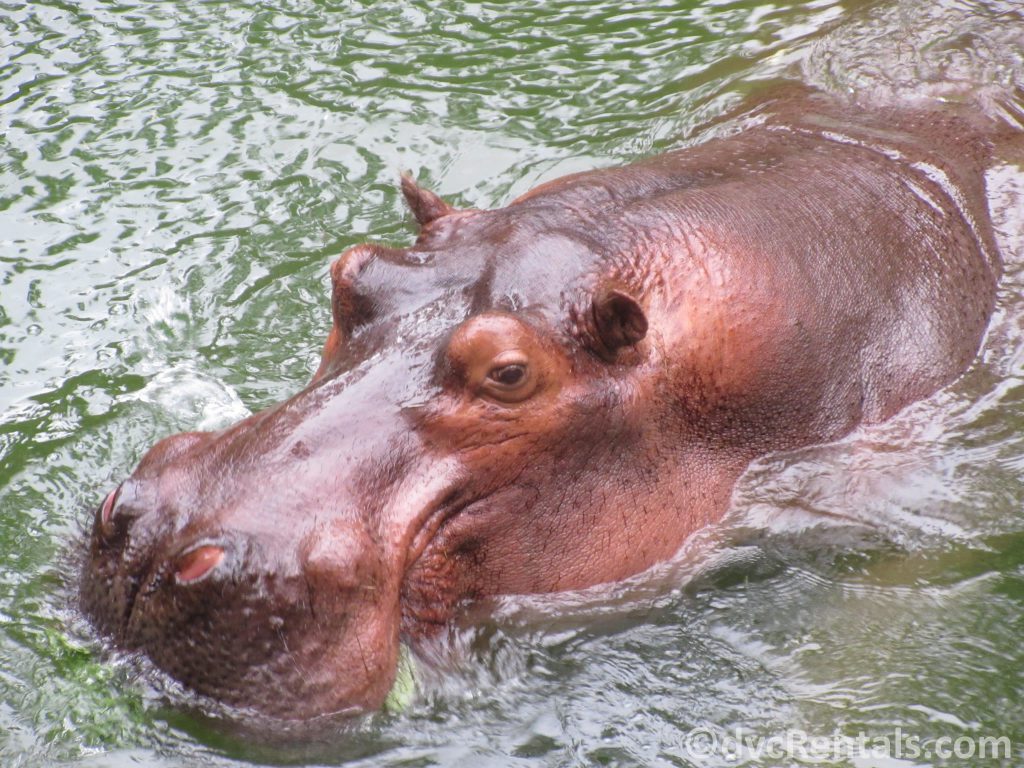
(424,204)
(618,319)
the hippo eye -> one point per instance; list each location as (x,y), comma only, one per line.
(509,382)
(508,375)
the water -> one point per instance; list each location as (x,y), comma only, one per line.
(174,180)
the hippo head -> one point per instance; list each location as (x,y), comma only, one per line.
(478,425)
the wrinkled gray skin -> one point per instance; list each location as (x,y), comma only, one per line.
(672,320)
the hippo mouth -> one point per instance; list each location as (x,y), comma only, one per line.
(445,560)
(428,533)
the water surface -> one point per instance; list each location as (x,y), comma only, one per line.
(175,179)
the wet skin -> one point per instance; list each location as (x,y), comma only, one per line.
(551,395)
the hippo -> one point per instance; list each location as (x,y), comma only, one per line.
(552,395)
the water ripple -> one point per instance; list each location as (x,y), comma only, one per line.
(175,178)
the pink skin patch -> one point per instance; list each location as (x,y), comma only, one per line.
(197,563)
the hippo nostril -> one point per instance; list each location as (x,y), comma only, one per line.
(108,506)
(107,509)
(193,565)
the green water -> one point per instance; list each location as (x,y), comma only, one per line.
(175,178)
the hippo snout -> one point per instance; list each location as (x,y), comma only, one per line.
(284,620)
(149,577)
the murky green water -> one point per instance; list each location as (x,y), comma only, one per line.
(174,180)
